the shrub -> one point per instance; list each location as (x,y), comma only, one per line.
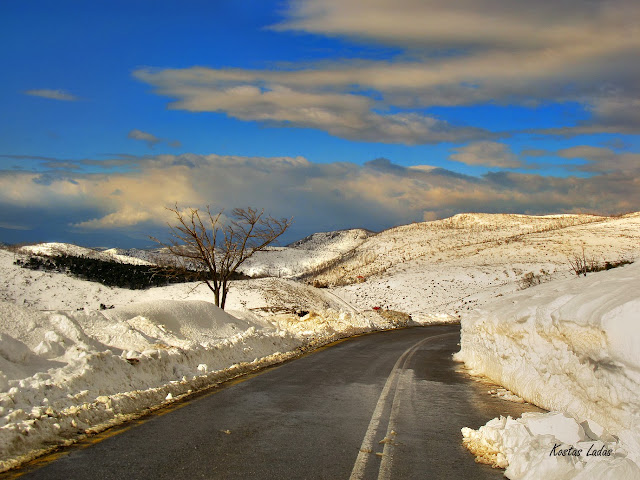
(581,265)
(531,279)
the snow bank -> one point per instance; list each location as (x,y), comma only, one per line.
(65,374)
(570,346)
(550,446)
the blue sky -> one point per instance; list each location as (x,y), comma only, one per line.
(341,113)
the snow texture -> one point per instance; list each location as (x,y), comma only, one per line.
(553,446)
(571,346)
(70,369)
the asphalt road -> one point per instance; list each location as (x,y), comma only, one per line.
(322,416)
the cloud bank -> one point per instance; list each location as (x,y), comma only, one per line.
(460,53)
(279,99)
(377,195)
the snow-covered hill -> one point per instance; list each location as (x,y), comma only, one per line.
(456,237)
(452,266)
(67,365)
(132,255)
(305,255)
(429,270)
(55,249)
(295,259)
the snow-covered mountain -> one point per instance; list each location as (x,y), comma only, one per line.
(465,235)
(339,240)
(443,267)
(295,259)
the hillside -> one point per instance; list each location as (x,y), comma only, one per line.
(431,270)
(450,266)
(440,240)
(55,248)
(306,255)
(298,258)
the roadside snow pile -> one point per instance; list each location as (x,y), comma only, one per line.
(64,374)
(329,325)
(570,346)
(550,446)
(183,324)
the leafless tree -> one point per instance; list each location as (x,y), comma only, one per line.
(218,245)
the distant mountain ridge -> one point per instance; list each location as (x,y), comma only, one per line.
(345,257)
(452,237)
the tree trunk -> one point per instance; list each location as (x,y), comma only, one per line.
(225,289)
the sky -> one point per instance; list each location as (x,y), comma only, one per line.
(338,113)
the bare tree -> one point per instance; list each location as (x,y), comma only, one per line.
(218,245)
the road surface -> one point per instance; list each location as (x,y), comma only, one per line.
(322,416)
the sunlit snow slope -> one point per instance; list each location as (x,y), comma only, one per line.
(452,266)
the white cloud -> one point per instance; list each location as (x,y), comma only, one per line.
(144,136)
(52,94)
(615,113)
(259,96)
(151,139)
(464,23)
(13,226)
(601,160)
(490,154)
(456,53)
(320,196)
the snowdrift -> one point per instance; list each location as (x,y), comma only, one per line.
(65,374)
(553,446)
(571,346)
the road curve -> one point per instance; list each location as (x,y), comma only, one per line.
(388,405)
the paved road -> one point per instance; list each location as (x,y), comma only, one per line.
(319,417)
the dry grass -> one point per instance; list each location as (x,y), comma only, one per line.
(434,239)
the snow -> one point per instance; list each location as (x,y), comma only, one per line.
(55,249)
(69,369)
(66,373)
(450,267)
(571,346)
(304,255)
(554,446)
